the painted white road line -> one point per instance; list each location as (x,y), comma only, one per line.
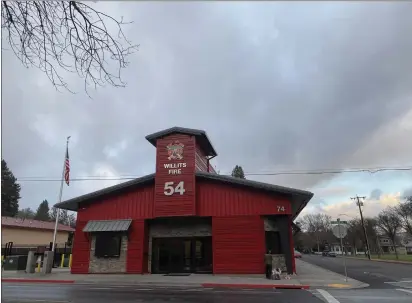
(328,297)
(405,290)
(396,282)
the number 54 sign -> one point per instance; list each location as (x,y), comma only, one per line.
(170,188)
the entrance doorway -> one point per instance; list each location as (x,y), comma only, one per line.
(182,255)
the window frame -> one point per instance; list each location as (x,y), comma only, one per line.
(101,238)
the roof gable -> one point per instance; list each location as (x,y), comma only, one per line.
(201,138)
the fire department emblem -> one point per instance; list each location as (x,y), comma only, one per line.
(175,150)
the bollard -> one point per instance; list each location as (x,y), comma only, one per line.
(62,261)
(70,261)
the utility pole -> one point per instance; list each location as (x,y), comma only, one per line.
(359,203)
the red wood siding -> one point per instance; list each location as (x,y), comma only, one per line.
(211,169)
(238,245)
(135,247)
(137,204)
(176,204)
(81,249)
(214,199)
(201,161)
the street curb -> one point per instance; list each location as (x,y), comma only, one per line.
(380,260)
(255,286)
(11,280)
(204,285)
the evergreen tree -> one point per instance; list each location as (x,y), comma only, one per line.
(42,212)
(237,172)
(10,192)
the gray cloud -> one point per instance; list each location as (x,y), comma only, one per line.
(277,86)
(375,194)
(407,192)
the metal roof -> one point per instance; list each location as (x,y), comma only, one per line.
(107,225)
(73,204)
(32,224)
(298,197)
(201,138)
(255,184)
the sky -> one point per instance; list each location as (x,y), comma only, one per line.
(277,86)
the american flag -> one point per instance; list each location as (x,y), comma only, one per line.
(67,167)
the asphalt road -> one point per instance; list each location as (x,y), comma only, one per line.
(76,293)
(389,282)
(379,275)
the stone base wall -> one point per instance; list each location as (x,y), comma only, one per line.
(278,261)
(108,265)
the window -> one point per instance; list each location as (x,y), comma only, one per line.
(273,242)
(108,244)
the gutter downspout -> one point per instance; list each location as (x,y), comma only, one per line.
(208,163)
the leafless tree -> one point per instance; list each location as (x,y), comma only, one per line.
(318,226)
(404,211)
(390,223)
(68,35)
(355,233)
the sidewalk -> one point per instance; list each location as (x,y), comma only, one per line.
(308,276)
(319,277)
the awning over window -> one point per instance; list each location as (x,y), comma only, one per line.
(107,225)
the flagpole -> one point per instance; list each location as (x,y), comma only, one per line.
(60,196)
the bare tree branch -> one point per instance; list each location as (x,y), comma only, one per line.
(404,211)
(66,35)
(390,223)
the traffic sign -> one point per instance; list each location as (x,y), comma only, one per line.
(339,222)
(340,231)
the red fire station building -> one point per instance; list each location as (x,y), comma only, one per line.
(184,218)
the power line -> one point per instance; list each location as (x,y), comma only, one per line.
(290,172)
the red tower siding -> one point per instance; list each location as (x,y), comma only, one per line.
(137,204)
(176,204)
(81,249)
(201,161)
(202,164)
(238,245)
(135,248)
(214,199)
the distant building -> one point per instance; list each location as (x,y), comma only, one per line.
(387,247)
(31,233)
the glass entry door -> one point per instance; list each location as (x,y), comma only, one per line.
(182,255)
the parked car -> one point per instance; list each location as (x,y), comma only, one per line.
(298,254)
(326,253)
